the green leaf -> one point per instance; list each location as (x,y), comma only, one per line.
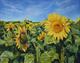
(72,48)
(75,31)
(53,54)
(29,58)
(71,59)
(15,61)
(45,58)
(49,40)
(4,60)
(77,41)
(7,54)
(2,42)
(49,56)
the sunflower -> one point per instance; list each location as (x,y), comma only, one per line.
(21,41)
(17,40)
(58,26)
(10,26)
(29,26)
(22,29)
(41,36)
(21,46)
(25,47)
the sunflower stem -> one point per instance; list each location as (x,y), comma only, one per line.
(62,55)
(37,56)
(61,52)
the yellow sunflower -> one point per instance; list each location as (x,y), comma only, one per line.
(24,47)
(21,46)
(17,40)
(29,26)
(10,26)
(22,29)
(58,26)
(41,36)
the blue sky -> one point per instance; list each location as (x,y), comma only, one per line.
(37,10)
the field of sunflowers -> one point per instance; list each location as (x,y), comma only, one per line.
(53,40)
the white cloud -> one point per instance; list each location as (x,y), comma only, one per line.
(10,7)
(30,10)
(37,10)
(63,3)
(66,9)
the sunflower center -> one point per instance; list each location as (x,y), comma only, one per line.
(58,27)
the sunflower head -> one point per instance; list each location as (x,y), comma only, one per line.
(22,46)
(10,26)
(17,40)
(41,36)
(22,29)
(29,26)
(57,26)
(25,47)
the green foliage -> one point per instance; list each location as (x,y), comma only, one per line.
(29,58)
(50,40)
(47,50)
(49,56)
(5,56)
